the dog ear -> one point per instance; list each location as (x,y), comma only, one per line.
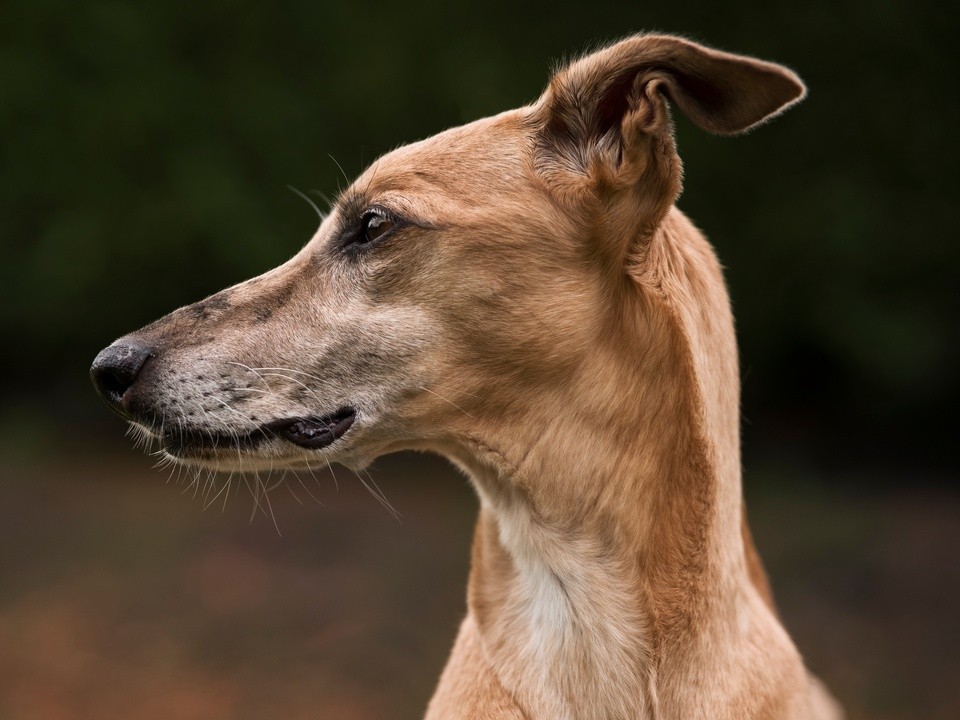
(604,126)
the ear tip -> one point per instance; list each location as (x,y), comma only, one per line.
(799,88)
(783,89)
(793,91)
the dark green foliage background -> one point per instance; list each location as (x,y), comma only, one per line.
(146,149)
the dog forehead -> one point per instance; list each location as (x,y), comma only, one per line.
(485,153)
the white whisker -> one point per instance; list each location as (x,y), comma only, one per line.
(309,201)
(448,400)
(377,493)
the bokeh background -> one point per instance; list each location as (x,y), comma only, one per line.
(145,157)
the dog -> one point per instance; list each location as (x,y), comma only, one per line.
(522,296)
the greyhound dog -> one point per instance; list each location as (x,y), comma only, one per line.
(521,295)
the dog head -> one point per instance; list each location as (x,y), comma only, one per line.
(460,283)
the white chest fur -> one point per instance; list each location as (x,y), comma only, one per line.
(572,629)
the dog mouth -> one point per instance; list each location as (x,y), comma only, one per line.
(311,433)
(314,433)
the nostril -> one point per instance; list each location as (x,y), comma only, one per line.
(116,368)
(114,383)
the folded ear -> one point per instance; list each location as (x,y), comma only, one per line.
(604,125)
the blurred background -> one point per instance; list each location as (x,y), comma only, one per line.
(147,149)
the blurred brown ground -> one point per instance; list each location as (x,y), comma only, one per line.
(121,597)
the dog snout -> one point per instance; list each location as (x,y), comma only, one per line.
(116,368)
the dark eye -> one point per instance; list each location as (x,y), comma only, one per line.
(374,225)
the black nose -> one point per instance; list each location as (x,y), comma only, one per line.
(116,369)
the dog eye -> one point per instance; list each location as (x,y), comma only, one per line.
(374,225)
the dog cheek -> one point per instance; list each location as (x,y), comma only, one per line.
(373,351)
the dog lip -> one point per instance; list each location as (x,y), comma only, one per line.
(184,442)
(315,433)
(311,432)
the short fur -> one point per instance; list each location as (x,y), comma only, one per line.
(544,316)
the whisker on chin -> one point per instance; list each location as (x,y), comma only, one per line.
(211,419)
(377,493)
(304,485)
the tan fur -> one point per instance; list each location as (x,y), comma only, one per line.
(545,317)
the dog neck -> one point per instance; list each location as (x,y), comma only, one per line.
(608,553)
